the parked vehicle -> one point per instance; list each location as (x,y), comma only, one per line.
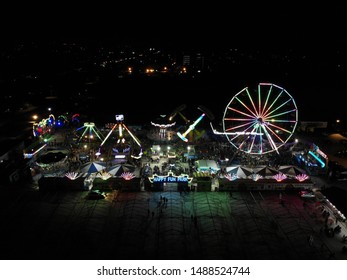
(307,194)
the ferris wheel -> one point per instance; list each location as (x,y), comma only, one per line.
(260,121)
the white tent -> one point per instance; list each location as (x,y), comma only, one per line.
(265,171)
(240,171)
(291,170)
(119,169)
(92,167)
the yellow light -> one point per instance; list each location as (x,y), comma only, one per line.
(35,117)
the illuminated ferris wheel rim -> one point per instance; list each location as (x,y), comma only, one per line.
(261,84)
(258,125)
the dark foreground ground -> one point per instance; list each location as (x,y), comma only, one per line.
(205,225)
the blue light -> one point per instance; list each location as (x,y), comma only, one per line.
(317,158)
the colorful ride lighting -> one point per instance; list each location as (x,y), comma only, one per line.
(132,136)
(236,132)
(119,156)
(317,159)
(182,137)
(260,121)
(75,117)
(191,127)
(301,177)
(321,153)
(89,124)
(136,157)
(127,176)
(43,126)
(30,155)
(90,128)
(121,128)
(163,125)
(280,177)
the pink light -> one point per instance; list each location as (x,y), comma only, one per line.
(242,113)
(301,177)
(281,128)
(267,84)
(72,175)
(322,154)
(238,126)
(127,176)
(280,177)
(250,98)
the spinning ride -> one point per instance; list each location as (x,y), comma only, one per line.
(122,148)
(89,132)
(191,128)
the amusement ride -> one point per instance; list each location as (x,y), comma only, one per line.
(260,121)
(122,148)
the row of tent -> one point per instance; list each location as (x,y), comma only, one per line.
(265,171)
(115,170)
(239,170)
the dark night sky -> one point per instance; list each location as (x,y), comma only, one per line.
(197,22)
(316,32)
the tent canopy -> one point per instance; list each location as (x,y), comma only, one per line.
(264,171)
(92,167)
(291,170)
(119,169)
(240,171)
